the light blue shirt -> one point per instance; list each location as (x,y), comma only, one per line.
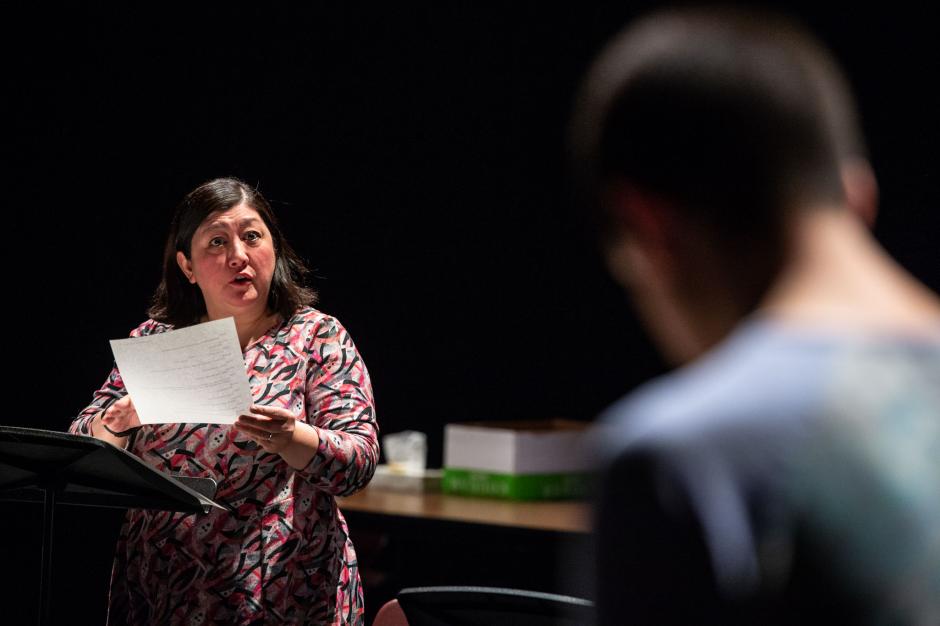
(781,428)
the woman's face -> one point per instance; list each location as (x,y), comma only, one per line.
(232,262)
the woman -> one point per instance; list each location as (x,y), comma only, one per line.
(281,553)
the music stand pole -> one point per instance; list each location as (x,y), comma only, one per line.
(45,583)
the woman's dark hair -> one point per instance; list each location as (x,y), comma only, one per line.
(180,303)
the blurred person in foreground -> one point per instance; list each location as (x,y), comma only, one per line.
(280,552)
(789,470)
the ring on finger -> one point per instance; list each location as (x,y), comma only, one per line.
(270,436)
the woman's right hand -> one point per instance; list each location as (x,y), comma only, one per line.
(118,418)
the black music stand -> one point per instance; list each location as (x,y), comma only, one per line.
(60,468)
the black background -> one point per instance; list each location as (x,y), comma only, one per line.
(416,157)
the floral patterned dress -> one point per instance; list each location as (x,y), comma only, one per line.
(280,553)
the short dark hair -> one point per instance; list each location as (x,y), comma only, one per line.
(735,116)
(180,303)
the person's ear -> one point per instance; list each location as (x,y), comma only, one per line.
(649,219)
(186,267)
(860,188)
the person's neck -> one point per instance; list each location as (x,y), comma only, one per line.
(837,276)
(248,324)
(717,283)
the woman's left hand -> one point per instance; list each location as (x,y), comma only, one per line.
(270,427)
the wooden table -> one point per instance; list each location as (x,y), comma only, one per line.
(418,539)
(560,516)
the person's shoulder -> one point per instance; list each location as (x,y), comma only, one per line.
(150,327)
(316,326)
(310,316)
(755,382)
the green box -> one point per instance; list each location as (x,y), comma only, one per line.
(515,486)
(518,460)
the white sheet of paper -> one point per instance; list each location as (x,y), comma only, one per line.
(193,374)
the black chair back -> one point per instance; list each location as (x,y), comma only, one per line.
(490,606)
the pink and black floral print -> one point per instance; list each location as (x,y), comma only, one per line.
(281,552)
